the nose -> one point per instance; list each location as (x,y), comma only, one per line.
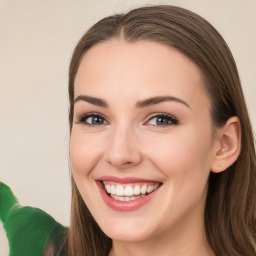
(123,150)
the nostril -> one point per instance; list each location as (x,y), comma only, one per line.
(127,163)
(120,163)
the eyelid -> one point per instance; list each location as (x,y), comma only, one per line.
(172,118)
(81,119)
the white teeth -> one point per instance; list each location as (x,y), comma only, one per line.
(150,189)
(129,191)
(156,186)
(143,190)
(125,198)
(113,189)
(119,190)
(108,188)
(136,190)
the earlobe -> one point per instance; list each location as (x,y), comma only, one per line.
(229,140)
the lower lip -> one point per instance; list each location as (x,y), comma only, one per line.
(125,206)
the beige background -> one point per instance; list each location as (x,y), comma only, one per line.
(36,42)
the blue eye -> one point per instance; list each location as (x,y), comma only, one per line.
(157,120)
(162,120)
(92,119)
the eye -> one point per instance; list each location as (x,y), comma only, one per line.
(92,120)
(163,120)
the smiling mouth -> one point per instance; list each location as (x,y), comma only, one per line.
(129,192)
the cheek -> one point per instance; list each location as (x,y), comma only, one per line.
(185,160)
(84,153)
(181,153)
(84,156)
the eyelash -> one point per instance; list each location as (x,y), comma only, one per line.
(82,119)
(170,118)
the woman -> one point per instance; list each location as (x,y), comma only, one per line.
(162,150)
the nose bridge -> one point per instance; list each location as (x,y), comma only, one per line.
(122,149)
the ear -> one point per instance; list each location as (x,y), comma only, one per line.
(228,148)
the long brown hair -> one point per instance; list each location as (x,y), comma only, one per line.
(230,220)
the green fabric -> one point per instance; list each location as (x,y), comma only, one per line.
(30,231)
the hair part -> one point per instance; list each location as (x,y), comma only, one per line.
(230,220)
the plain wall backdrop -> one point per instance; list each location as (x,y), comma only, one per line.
(36,42)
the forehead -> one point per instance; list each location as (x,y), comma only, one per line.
(141,69)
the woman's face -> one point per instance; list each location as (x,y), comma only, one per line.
(142,129)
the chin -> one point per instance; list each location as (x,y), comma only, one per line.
(127,231)
(127,235)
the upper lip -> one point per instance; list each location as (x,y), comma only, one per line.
(125,180)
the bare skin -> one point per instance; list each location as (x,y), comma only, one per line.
(170,141)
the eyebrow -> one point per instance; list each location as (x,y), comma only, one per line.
(140,104)
(159,99)
(92,100)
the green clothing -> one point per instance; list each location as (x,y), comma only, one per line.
(30,231)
